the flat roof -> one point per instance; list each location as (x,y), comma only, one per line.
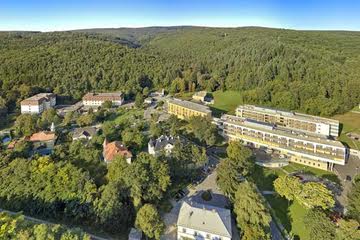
(191,105)
(301,116)
(280,131)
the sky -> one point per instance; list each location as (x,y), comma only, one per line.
(52,15)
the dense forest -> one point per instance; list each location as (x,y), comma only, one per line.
(317,72)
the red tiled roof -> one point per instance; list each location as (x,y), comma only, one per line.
(116,148)
(42,136)
(103,97)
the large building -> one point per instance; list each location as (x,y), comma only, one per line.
(186,109)
(97,99)
(38,103)
(200,221)
(293,120)
(315,151)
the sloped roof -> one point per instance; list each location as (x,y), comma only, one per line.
(116,148)
(205,218)
(162,141)
(87,131)
(42,136)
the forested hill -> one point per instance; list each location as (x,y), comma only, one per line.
(317,72)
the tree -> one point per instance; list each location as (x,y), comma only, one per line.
(86,119)
(139,100)
(149,221)
(251,214)
(354,199)
(235,168)
(319,225)
(47,117)
(348,230)
(155,130)
(25,125)
(107,104)
(240,157)
(203,129)
(288,187)
(68,118)
(133,138)
(309,194)
(149,179)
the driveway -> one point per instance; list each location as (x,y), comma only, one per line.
(194,194)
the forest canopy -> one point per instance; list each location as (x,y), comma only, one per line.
(316,72)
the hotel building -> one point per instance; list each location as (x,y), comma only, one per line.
(97,99)
(297,121)
(38,103)
(315,150)
(186,109)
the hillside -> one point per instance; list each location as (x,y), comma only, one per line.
(311,71)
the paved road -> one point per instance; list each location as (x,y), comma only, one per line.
(351,168)
(37,220)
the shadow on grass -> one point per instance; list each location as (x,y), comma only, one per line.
(216,112)
(281,210)
(264,178)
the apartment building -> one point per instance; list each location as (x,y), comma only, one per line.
(38,103)
(97,99)
(202,221)
(312,150)
(302,122)
(186,109)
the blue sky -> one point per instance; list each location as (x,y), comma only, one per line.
(51,15)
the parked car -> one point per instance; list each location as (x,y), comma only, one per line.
(348,178)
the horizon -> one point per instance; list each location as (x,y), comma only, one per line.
(40,15)
(178,26)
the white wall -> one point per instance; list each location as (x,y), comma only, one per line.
(200,234)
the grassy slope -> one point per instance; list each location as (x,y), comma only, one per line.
(351,123)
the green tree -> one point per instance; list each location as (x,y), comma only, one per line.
(149,221)
(309,194)
(85,119)
(25,125)
(149,179)
(155,130)
(354,199)
(107,105)
(252,216)
(139,100)
(203,129)
(348,230)
(319,225)
(47,117)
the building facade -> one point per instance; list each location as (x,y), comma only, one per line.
(318,152)
(186,109)
(201,221)
(163,143)
(298,121)
(38,103)
(97,99)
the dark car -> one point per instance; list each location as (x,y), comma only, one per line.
(348,178)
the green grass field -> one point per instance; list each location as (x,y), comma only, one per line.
(225,102)
(350,123)
(291,216)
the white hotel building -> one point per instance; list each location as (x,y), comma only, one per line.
(38,103)
(312,150)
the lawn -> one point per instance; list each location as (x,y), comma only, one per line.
(123,116)
(350,123)
(291,216)
(264,177)
(225,102)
